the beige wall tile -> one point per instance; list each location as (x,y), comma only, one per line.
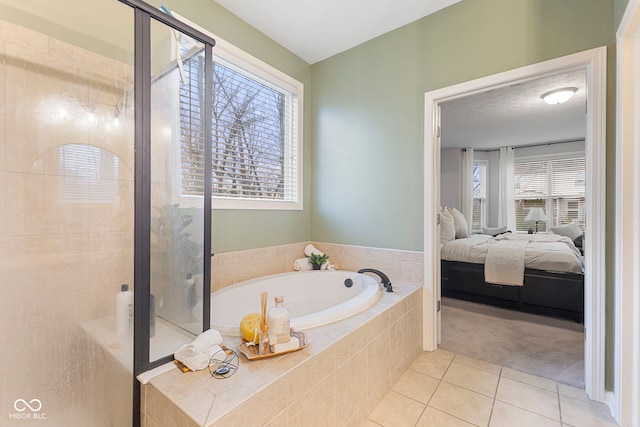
(317,407)
(23,37)
(311,373)
(350,396)
(264,408)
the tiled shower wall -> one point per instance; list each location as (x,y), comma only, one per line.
(66,244)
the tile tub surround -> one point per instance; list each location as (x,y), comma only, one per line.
(338,380)
(232,267)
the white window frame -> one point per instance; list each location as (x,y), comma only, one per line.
(549,198)
(483,185)
(232,57)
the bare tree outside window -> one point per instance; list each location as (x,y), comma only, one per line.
(249,135)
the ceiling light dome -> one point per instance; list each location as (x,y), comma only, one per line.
(558,96)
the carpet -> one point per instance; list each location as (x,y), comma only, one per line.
(544,346)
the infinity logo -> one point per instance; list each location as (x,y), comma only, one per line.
(21,405)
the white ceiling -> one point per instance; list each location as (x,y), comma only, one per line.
(515,115)
(315,30)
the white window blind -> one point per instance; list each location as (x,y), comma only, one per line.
(254,127)
(88,174)
(556,185)
(479,208)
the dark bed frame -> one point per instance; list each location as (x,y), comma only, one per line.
(543,292)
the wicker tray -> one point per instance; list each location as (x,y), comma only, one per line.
(251,351)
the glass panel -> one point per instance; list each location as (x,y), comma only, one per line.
(66,203)
(177,223)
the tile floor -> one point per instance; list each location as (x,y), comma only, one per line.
(444,389)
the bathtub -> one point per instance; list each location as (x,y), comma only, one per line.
(314,298)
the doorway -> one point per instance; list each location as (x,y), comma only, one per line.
(594,64)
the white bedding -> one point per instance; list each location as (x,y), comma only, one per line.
(548,252)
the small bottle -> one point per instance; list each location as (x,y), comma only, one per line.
(264,347)
(279,321)
(124,310)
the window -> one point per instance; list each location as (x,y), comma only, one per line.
(88,174)
(479,214)
(256,146)
(556,185)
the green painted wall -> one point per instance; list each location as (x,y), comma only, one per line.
(367,154)
(620,6)
(101,27)
(368,105)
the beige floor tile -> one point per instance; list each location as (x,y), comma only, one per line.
(477,363)
(572,392)
(585,414)
(396,410)
(435,418)
(505,415)
(462,403)
(432,365)
(415,385)
(531,398)
(443,354)
(473,379)
(534,380)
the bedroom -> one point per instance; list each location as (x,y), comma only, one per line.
(545,169)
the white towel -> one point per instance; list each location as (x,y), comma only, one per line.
(504,264)
(203,342)
(198,361)
(310,249)
(302,264)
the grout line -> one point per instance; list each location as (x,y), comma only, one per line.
(559,405)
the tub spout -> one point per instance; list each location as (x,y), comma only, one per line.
(383,277)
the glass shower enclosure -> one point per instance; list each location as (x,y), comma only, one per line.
(92,130)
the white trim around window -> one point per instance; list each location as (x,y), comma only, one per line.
(234,58)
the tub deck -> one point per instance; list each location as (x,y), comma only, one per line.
(337,380)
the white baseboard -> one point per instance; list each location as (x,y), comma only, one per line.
(611,400)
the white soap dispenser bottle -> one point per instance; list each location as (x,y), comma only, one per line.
(124,310)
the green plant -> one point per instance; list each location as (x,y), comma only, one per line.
(171,236)
(317,259)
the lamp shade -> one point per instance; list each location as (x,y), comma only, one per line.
(536,214)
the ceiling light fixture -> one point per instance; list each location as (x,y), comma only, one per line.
(558,96)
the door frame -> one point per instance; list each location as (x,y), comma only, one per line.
(625,403)
(594,62)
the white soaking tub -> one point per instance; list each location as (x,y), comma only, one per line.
(314,298)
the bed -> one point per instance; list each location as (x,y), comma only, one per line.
(541,273)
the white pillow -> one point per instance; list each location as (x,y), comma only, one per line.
(447,227)
(571,231)
(494,231)
(462,226)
